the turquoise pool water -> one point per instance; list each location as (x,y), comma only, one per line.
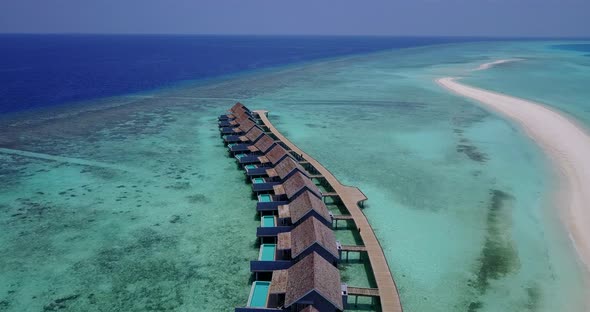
(259,294)
(258,180)
(265,198)
(250,166)
(238,156)
(268,221)
(231,145)
(267,252)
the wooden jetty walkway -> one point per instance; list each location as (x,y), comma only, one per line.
(363,292)
(351,197)
(354,248)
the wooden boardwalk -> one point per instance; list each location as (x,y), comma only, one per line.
(351,197)
(354,248)
(364,292)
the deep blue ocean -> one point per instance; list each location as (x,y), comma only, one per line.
(44,70)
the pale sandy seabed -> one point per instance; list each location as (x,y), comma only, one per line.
(133,204)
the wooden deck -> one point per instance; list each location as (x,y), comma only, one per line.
(363,292)
(351,197)
(354,248)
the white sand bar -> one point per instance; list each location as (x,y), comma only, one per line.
(566,143)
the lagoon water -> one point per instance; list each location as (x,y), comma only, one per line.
(159,218)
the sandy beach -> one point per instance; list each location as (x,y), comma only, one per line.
(566,143)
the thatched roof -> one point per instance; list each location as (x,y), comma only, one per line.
(304,203)
(298,181)
(246,125)
(239,118)
(286,166)
(278,188)
(310,232)
(263,159)
(276,154)
(238,107)
(284,241)
(252,134)
(264,143)
(313,273)
(278,283)
(284,211)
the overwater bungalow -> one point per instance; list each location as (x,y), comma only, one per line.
(275,156)
(288,247)
(239,117)
(275,175)
(239,130)
(231,114)
(235,123)
(285,169)
(295,185)
(270,159)
(282,170)
(252,135)
(281,194)
(254,152)
(311,282)
(309,236)
(261,146)
(303,207)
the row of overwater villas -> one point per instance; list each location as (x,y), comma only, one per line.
(297,265)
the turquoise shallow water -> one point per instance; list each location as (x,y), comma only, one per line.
(547,74)
(159,236)
(457,196)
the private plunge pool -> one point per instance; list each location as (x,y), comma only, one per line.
(267,252)
(267,221)
(258,180)
(259,294)
(265,198)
